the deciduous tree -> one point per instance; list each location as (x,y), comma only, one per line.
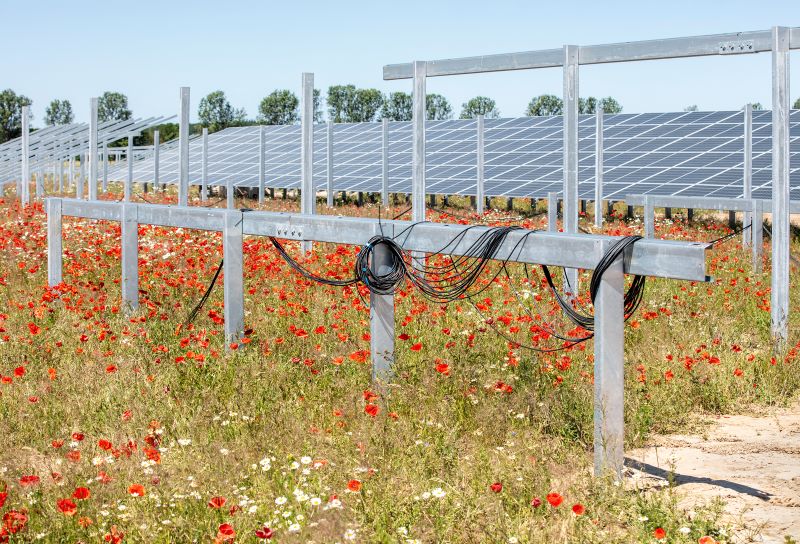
(59,112)
(113,106)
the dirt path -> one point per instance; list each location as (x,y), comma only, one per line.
(750,462)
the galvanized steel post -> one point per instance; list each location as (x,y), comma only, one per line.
(128,189)
(758,234)
(479,188)
(54,242)
(307,194)
(552,212)
(105,166)
(780,187)
(204,167)
(130,256)
(81,176)
(418,117)
(233,276)
(570,192)
(747,173)
(329,164)
(381,319)
(598,169)
(384,162)
(156,157)
(93,149)
(23,188)
(183,149)
(649,217)
(262,172)
(609,371)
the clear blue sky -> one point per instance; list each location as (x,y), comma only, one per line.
(147,50)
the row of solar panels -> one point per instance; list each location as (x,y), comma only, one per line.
(48,145)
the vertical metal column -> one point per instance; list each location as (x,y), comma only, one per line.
(609,371)
(230,201)
(385,163)
(60,173)
(780,187)
(183,149)
(262,167)
(130,257)
(23,188)
(649,217)
(128,189)
(93,149)
(552,212)
(747,173)
(233,276)
(329,163)
(105,167)
(479,189)
(570,192)
(758,234)
(381,320)
(598,169)
(307,194)
(54,242)
(39,183)
(156,157)
(71,177)
(204,168)
(81,176)
(418,143)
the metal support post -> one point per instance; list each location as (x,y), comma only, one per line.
(24,186)
(183,149)
(39,183)
(609,371)
(384,162)
(481,166)
(381,320)
(54,242)
(230,201)
(552,212)
(93,149)
(418,117)
(128,190)
(130,257)
(307,194)
(780,187)
(649,218)
(757,233)
(598,169)
(204,167)
(81,177)
(732,219)
(262,167)
(329,164)
(156,157)
(105,167)
(570,192)
(747,173)
(667,213)
(233,276)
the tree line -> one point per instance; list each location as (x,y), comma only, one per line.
(343,104)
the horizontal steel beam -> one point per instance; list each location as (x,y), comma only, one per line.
(692,46)
(704,203)
(658,258)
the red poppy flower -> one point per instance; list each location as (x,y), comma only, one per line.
(34,329)
(354,486)
(226,532)
(78,436)
(497,487)
(67,507)
(578,509)
(265,533)
(19,371)
(372,409)
(29,480)
(115,536)
(417,346)
(137,490)
(659,534)
(536,502)
(217,502)
(81,493)
(555,499)
(3,497)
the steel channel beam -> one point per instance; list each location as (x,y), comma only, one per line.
(183,149)
(690,46)
(307,193)
(598,168)
(780,187)
(480,193)
(705,203)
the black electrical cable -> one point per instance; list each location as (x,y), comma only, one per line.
(199,306)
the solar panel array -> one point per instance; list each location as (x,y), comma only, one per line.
(685,153)
(48,145)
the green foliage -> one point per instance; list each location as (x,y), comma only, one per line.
(796,104)
(11,114)
(317,106)
(545,104)
(438,107)
(480,105)
(397,107)
(347,104)
(216,113)
(757,106)
(280,107)
(59,112)
(693,107)
(113,106)
(607,105)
